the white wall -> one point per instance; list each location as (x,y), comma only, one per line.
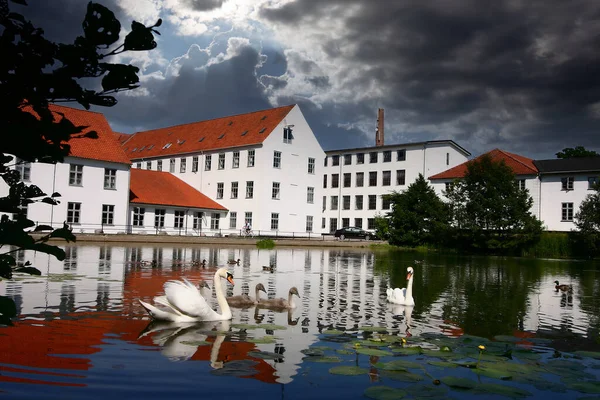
(553,196)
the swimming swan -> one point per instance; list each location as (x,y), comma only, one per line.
(280,303)
(183,302)
(403,296)
(244,300)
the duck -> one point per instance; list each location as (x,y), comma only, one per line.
(564,288)
(402,296)
(244,300)
(234,262)
(183,302)
(270,268)
(280,303)
(197,263)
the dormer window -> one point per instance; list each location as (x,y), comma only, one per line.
(287,134)
(567,183)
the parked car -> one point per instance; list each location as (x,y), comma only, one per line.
(352,232)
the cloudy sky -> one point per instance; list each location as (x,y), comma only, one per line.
(520,75)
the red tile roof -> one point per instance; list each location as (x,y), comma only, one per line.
(165,189)
(104,148)
(519,164)
(233,131)
(121,137)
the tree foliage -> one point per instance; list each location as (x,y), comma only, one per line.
(576,152)
(489,212)
(418,216)
(35,72)
(587,220)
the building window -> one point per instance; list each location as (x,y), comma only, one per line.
(248,218)
(335,180)
(236,160)
(172,165)
(400,177)
(251,157)
(325,181)
(358,222)
(24,169)
(386,178)
(179,214)
(332,224)
(214,220)
(275,191)
(347,159)
(232,219)
(345,202)
(148,165)
(310,195)
(159,165)
(386,203)
(447,158)
(567,183)
(335,160)
(360,179)
(370,223)
(372,202)
(75,175)
(387,156)
(195,164)
(358,202)
(311,165)
(324,203)
(360,158)
(159,218)
(401,155)
(373,157)
(373,178)
(249,189)
(108,213)
(208,162)
(234,190)
(287,134)
(520,184)
(347,179)
(567,212)
(197,221)
(221,162)
(447,186)
(274,221)
(220,189)
(138,216)
(73,213)
(276,159)
(325,161)
(309,223)
(182,165)
(345,222)
(323,223)
(592,182)
(110,178)
(138,165)
(334,203)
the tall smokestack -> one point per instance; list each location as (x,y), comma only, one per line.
(379,131)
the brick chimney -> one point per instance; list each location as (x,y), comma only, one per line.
(379,131)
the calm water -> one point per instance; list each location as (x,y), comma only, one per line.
(82,334)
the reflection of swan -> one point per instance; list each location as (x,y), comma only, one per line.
(244,300)
(179,341)
(184,303)
(280,303)
(403,296)
(407,312)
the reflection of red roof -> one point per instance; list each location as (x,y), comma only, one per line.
(520,165)
(165,189)
(104,148)
(238,130)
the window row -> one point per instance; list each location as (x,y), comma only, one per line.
(275,191)
(568,182)
(107,217)
(76,176)
(357,222)
(359,158)
(359,180)
(358,202)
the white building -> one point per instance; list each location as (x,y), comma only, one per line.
(93,180)
(261,166)
(354,180)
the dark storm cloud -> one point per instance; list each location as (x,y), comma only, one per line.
(204,5)
(504,72)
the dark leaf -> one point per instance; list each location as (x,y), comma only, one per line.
(120,77)
(50,200)
(100,25)
(28,270)
(140,38)
(55,194)
(49,249)
(40,228)
(7,307)
(64,233)
(22,2)
(90,135)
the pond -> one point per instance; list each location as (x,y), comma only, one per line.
(481,327)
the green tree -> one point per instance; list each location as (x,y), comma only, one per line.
(35,72)
(418,215)
(489,212)
(587,220)
(576,152)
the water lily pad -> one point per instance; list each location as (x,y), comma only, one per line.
(333,332)
(265,355)
(492,372)
(348,370)
(373,352)
(373,343)
(312,352)
(384,393)
(322,359)
(373,329)
(426,391)
(397,365)
(589,354)
(196,342)
(272,327)
(586,387)
(502,390)
(245,326)
(263,340)
(442,364)
(407,351)
(345,351)
(236,368)
(459,383)
(439,354)
(402,376)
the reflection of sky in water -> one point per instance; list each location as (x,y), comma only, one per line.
(100,285)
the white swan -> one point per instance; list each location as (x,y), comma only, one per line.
(280,303)
(403,296)
(244,301)
(183,302)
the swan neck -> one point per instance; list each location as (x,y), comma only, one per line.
(409,288)
(291,300)
(221,300)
